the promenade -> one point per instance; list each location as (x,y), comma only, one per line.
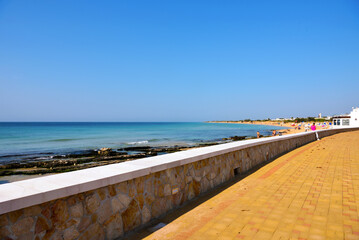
(309,193)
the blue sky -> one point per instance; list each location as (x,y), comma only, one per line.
(177,60)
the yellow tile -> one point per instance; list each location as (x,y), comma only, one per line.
(298,200)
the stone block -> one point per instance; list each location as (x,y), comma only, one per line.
(191,172)
(188,179)
(182,183)
(158,207)
(174,178)
(167,190)
(140,185)
(196,187)
(4,220)
(122,187)
(84,223)
(32,211)
(73,222)
(75,199)
(197,165)
(104,211)
(94,232)
(23,226)
(168,203)
(146,215)
(41,225)
(4,233)
(116,205)
(25,237)
(59,213)
(205,185)
(92,203)
(112,190)
(132,191)
(46,211)
(131,216)
(164,177)
(190,191)
(140,200)
(124,199)
(149,185)
(14,216)
(159,190)
(197,178)
(71,233)
(48,234)
(149,198)
(102,193)
(177,199)
(94,218)
(113,226)
(77,210)
(157,175)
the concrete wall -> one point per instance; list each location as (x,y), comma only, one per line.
(106,202)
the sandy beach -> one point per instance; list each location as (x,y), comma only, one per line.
(292,127)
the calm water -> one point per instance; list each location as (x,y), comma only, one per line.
(28,139)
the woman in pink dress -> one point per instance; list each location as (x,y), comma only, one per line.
(313,127)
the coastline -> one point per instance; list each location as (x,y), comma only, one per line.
(52,163)
(291,127)
(17,171)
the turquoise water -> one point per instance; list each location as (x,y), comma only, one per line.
(55,138)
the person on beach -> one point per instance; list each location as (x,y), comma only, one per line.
(258,135)
(313,127)
(274,133)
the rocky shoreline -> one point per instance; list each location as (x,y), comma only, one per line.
(94,158)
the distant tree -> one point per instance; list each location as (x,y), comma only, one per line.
(311,119)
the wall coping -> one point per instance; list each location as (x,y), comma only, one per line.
(26,193)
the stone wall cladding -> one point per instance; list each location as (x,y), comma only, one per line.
(109,212)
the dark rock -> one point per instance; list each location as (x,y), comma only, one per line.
(237,138)
(105,152)
(140,149)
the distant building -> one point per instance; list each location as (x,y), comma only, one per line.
(347,120)
(282,119)
(319,115)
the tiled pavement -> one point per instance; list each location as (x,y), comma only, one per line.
(309,193)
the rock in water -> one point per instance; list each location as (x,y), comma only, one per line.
(104,151)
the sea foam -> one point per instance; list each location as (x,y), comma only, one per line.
(136,143)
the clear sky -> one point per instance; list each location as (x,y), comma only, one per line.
(177,60)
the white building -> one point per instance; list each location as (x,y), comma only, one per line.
(349,120)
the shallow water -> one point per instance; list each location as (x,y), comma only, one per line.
(19,141)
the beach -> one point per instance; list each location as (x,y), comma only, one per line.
(291,127)
(34,149)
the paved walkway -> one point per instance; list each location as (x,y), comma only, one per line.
(309,193)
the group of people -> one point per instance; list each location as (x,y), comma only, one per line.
(313,127)
(274,132)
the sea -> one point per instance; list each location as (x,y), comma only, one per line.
(20,141)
